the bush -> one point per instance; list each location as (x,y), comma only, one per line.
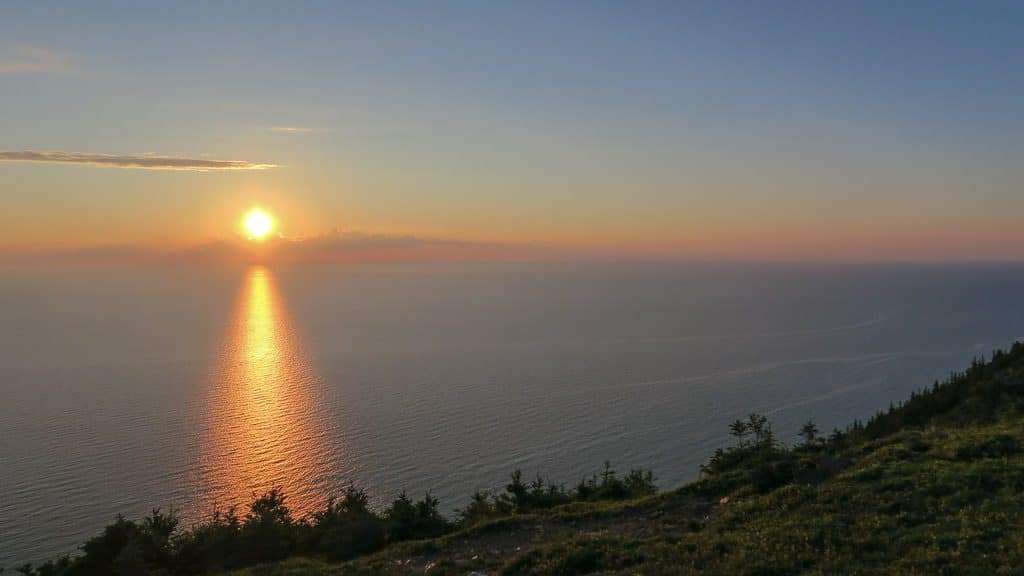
(409,520)
(267,532)
(209,546)
(608,486)
(124,547)
(347,528)
(482,506)
(538,494)
(999,446)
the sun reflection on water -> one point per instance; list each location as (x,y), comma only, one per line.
(264,413)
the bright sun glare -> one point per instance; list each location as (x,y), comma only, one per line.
(258,223)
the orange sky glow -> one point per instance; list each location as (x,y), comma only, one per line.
(466,145)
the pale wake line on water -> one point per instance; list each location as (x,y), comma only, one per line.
(862,359)
(869,358)
(835,392)
(753,336)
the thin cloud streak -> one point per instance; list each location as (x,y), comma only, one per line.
(292,129)
(134,161)
(30,60)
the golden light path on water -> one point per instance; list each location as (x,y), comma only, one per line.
(264,411)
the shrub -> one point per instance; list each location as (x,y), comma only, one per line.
(482,506)
(209,546)
(347,528)
(408,520)
(999,446)
(267,531)
(608,486)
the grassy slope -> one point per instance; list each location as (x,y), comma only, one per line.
(944,497)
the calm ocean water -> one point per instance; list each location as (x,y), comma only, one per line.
(126,389)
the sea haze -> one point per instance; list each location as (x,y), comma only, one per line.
(127,389)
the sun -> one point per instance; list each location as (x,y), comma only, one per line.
(258,223)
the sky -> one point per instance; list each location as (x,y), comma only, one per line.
(708,130)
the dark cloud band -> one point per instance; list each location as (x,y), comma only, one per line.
(144,161)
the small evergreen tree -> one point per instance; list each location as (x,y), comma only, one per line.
(758,426)
(739,429)
(809,432)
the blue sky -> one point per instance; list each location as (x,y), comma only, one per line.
(587,123)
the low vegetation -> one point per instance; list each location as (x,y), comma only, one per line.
(934,485)
(345,528)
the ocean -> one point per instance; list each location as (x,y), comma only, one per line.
(123,389)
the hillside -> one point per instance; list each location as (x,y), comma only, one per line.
(931,502)
(933,486)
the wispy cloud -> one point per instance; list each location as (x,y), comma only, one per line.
(139,161)
(292,129)
(30,60)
